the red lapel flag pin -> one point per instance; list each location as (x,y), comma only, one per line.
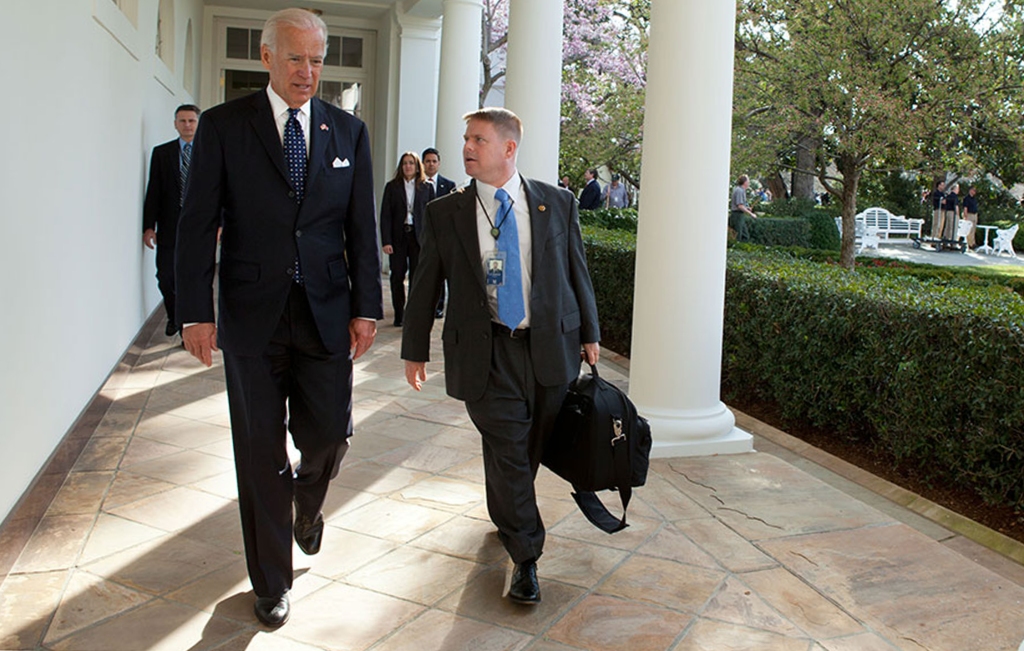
(323,127)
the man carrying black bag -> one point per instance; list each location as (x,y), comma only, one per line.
(520,308)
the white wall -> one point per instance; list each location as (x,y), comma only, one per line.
(79,117)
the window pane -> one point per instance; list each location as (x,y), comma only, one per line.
(352,52)
(238,43)
(333,57)
(330,92)
(254,43)
(239,83)
(351,98)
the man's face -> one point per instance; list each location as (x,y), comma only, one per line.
(942,186)
(972,192)
(431,163)
(295,63)
(487,155)
(587,176)
(185,123)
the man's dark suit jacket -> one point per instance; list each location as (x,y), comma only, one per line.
(563,312)
(590,197)
(393,210)
(238,168)
(444,186)
(163,194)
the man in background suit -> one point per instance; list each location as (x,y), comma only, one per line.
(300,290)
(442,186)
(520,307)
(590,196)
(168,171)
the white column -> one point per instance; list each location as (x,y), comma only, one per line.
(417,85)
(533,82)
(675,367)
(459,87)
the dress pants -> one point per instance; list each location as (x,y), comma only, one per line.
(405,258)
(296,384)
(165,276)
(937,219)
(949,225)
(973,218)
(515,417)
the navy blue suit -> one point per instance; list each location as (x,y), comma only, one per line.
(286,345)
(590,197)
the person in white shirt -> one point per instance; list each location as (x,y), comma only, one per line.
(401,220)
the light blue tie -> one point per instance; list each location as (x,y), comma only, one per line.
(183,165)
(510,295)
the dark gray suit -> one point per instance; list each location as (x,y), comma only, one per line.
(512,387)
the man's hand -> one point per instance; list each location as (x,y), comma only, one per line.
(149,237)
(388,249)
(415,374)
(591,353)
(361,333)
(200,340)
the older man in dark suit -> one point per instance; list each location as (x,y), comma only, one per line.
(168,172)
(590,196)
(521,311)
(300,290)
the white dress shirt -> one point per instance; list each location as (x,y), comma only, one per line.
(515,190)
(279,108)
(410,197)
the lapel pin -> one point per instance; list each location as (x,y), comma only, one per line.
(542,207)
(323,127)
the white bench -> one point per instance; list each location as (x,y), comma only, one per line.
(889,225)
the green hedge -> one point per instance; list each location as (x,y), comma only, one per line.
(617,219)
(931,371)
(926,366)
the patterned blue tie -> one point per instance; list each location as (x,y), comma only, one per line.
(511,310)
(186,160)
(295,154)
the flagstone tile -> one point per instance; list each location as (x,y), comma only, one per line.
(667,500)
(87,600)
(174,510)
(731,550)
(469,470)
(940,605)
(163,564)
(442,493)
(27,602)
(736,603)
(440,631)
(223,485)
(182,432)
(222,529)
(101,453)
(343,552)
(468,538)
(118,422)
(157,626)
(82,493)
(140,450)
(342,500)
(184,467)
(862,642)
(801,604)
(370,446)
(128,487)
(672,544)
(377,478)
(577,563)
(415,575)
(483,599)
(459,438)
(411,430)
(251,640)
(392,520)
(345,618)
(577,526)
(707,635)
(602,623)
(664,583)
(425,457)
(548,645)
(112,534)
(55,544)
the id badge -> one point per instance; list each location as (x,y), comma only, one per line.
(494,266)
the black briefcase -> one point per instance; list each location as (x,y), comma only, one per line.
(599,442)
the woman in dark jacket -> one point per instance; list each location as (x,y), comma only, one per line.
(402,208)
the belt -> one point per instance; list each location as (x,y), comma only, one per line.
(504,331)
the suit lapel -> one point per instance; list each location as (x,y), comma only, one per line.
(266,129)
(317,141)
(465,229)
(540,223)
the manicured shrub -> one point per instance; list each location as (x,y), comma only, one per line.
(616,219)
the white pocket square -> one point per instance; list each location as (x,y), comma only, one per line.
(340,163)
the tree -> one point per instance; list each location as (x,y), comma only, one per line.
(864,84)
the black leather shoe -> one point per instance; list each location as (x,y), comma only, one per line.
(438,314)
(272,611)
(525,588)
(171,329)
(309,532)
(398,323)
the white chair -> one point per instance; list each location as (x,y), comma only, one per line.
(1004,240)
(866,236)
(963,229)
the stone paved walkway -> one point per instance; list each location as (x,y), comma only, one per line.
(141,548)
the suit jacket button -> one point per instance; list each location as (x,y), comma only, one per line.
(291,194)
(298,233)
(290,272)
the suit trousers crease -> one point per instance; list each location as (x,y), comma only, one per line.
(296,385)
(404,259)
(165,276)
(515,416)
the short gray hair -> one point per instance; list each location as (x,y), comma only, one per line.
(504,121)
(291,17)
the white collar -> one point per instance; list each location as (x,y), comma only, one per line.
(279,106)
(512,187)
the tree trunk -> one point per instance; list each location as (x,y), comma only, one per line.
(851,177)
(776,185)
(803,183)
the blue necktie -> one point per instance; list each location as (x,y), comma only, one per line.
(511,310)
(295,154)
(186,160)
